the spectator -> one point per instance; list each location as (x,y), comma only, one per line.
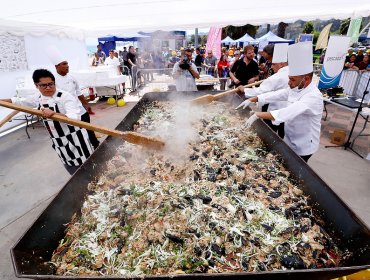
(97,60)
(351,63)
(245,71)
(101,53)
(265,68)
(185,72)
(198,59)
(360,56)
(210,63)
(131,59)
(350,52)
(113,61)
(223,67)
(235,58)
(173,59)
(362,65)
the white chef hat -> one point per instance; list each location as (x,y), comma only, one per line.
(300,58)
(280,53)
(55,55)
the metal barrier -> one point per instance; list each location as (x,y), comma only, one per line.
(349,81)
(361,85)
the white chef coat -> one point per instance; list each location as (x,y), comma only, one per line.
(183,78)
(70,106)
(71,143)
(68,83)
(273,83)
(302,117)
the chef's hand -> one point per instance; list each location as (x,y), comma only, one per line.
(236,81)
(47,113)
(244,104)
(240,89)
(251,120)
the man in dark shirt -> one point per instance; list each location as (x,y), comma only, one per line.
(245,71)
(198,59)
(131,59)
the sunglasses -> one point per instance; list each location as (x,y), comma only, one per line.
(44,86)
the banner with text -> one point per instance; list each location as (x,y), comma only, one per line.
(214,41)
(334,61)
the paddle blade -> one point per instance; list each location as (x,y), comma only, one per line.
(205,99)
(144,140)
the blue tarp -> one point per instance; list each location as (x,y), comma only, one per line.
(109,42)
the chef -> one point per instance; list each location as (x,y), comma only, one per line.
(71,143)
(302,115)
(277,81)
(68,83)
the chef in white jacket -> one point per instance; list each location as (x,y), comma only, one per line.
(277,81)
(302,115)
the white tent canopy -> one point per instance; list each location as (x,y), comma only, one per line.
(227,41)
(245,39)
(98,18)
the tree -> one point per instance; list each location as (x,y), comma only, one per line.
(343,28)
(235,32)
(281,29)
(308,27)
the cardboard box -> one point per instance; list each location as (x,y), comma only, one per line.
(338,137)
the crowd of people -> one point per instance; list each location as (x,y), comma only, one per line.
(357,61)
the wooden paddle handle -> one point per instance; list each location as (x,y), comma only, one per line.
(129,136)
(220,95)
(8,118)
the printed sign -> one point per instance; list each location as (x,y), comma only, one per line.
(214,41)
(334,61)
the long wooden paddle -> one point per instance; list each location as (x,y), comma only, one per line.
(129,136)
(8,118)
(208,98)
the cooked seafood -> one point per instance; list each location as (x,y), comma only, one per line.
(228,206)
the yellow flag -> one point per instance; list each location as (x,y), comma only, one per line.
(322,41)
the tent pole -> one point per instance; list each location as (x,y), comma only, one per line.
(196,38)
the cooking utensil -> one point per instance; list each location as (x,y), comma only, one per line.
(129,136)
(8,118)
(208,98)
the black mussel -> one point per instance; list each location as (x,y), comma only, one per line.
(188,197)
(174,238)
(304,249)
(206,199)
(272,259)
(167,164)
(194,157)
(263,187)
(197,176)
(195,232)
(207,255)
(240,167)
(212,225)
(274,207)
(256,242)
(205,154)
(292,261)
(261,266)
(153,171)
(229,190)
(244,186)
(217,249)
(172,168)
(245,262)
(195,149)
(211,262)
(283,248)
(197,251)
(305,228)
(212,177)
(268,228)
(275,194)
